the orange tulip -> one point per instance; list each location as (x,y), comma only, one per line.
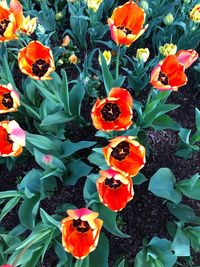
(36,60)
(80,232)
(113,112)
(187,57)
(114,189)
(11,20)
(126,23)
(9,99)
(125,155)
(12,139)
(168,74)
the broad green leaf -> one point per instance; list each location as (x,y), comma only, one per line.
(194,234)
(56,118)
(165,122)
(139,179)
(191,187)
(109,219)
(28,218)
(46,218)
(163,184)
(76,96)
(99,257)
(70,148)
(181,243)
(183,212)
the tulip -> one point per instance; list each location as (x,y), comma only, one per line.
(168,49)
(107,55)
(94,4)
(66,41)
(187,57)
(195,14)
(168,74)
(29,25)
(113,112)
(168,19)
(36,60)
(11,19)
(125,155)
(142,54)
(73,59)
(114,189)
(126,23)
(80,232)
(9,99)
(12,139)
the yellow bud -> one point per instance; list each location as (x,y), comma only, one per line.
(73,59)
(168,19)
(142,54)
(195,14)
(58,15)
(168,49)
(107,56)
(145,5)
(93,4)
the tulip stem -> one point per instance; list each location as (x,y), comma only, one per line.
(149,97)
(21,253)
(91,202)
(117,62)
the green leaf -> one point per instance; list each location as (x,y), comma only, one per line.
(28,218)
(197,112)
(163,184)
(56,118)
(194,234)
(191,187)
(76,170)
(70,148)
(10,193)
(109,219)
(40,141)
(183,212)
(181,243)
(65,92)
(99,257)
(139,179)
(46,218)
(76,96)
(9,206)
(165,122)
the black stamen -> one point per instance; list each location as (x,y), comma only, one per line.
(110,112)
(40,67)
(121,151)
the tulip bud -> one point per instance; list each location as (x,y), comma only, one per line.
(142,54)
(168,49)
(186,1)
(66,41)
(73,59)
(47,159)
(195,14)
(168,19)
(107,55)
(58,16)
(145,5)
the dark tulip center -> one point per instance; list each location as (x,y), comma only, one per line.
(7,101)
(40,67)
(125,29)
(121,151)
(112,183)
(3,26)
(163,78)
(81,226)
(110,112)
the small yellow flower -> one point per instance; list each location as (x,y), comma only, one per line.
(59,16)
(107,56)
(73,59)
(142,54)
(66,41)
(168,19)
(29,25)
(168,49)
(93,4)
(195,14)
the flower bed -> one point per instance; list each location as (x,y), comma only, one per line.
(99,133)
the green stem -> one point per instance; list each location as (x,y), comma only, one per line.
(117,62)
(90,203)
(22,253)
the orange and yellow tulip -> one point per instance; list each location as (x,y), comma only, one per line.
(80,232)
(126,23)
(9,99)
(36,60)
(113,112)
(187,57)
(12,139)
(125,155)
(114,189)
(11,19)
